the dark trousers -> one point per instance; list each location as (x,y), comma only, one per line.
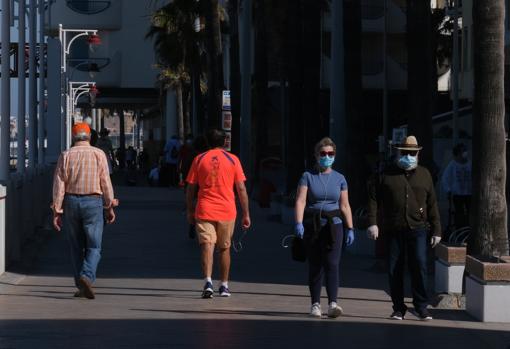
(323,263)
(412,243)
(462,206)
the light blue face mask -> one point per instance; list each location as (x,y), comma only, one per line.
(326,161)
(407,162)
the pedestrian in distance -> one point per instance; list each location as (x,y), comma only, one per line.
(214,174)
(405,193)
(82,199)
(171,153)
(456,182)
(105,144)
(93,133)
(322,211)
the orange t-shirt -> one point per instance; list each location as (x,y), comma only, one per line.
(216,171)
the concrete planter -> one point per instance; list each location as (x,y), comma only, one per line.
(449,267)
(488,288)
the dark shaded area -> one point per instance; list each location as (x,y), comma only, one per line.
(235,333)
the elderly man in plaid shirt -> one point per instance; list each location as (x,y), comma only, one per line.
(82,199)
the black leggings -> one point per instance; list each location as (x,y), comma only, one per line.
(324,262)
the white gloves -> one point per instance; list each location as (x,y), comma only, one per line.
(434,241)
(373,232)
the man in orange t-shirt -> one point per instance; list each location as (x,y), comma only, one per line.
(215,173)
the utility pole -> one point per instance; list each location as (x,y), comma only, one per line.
(32,87)
(455,72)
(42,68)
(246,60)
(21,134)
(5,124)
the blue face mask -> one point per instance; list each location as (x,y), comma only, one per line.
(326,161)
(407,162)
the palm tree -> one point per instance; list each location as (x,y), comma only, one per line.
(177,47)
(489,225)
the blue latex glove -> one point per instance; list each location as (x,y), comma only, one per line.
(350,237)
(299,230)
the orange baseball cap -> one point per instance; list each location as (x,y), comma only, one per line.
(80,127)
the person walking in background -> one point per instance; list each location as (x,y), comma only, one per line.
(93,133)
(82,196)
(186,156)
(405,193)
(322,209)
(105,144)
(171,152)
(456,182)
(214,174)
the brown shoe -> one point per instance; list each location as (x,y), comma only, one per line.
(86,287)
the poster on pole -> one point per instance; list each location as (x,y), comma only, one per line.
(226,120)
(225,102)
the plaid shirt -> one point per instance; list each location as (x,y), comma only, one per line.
(81,170)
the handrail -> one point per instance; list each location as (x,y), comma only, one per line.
(88,7)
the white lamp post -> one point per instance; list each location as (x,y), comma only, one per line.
(67,37)
(76,90)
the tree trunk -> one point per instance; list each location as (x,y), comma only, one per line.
(420,78)
(180,111)
(489,212)
(215,64)
(235,74)
(187,112)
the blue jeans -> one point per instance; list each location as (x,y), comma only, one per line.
(412,243)
(83,226)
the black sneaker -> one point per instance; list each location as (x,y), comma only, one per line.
(208,291)
(398,315)
(423,314)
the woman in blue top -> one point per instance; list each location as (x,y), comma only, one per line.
(322,203)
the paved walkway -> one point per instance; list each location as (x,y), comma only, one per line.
(148,295)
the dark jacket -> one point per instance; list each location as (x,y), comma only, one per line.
(407,200)
(313,227)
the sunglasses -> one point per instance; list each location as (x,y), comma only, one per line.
(409,152)
(328,153)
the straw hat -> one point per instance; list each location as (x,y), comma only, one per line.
(410,143)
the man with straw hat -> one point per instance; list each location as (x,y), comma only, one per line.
(405,193)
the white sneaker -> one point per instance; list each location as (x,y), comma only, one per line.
(334,310)
(316,310)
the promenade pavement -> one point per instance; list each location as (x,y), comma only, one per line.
(149,285)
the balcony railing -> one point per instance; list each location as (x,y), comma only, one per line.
(88,7)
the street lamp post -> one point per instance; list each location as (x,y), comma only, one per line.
(67,37)
(76,90)
(6,93)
